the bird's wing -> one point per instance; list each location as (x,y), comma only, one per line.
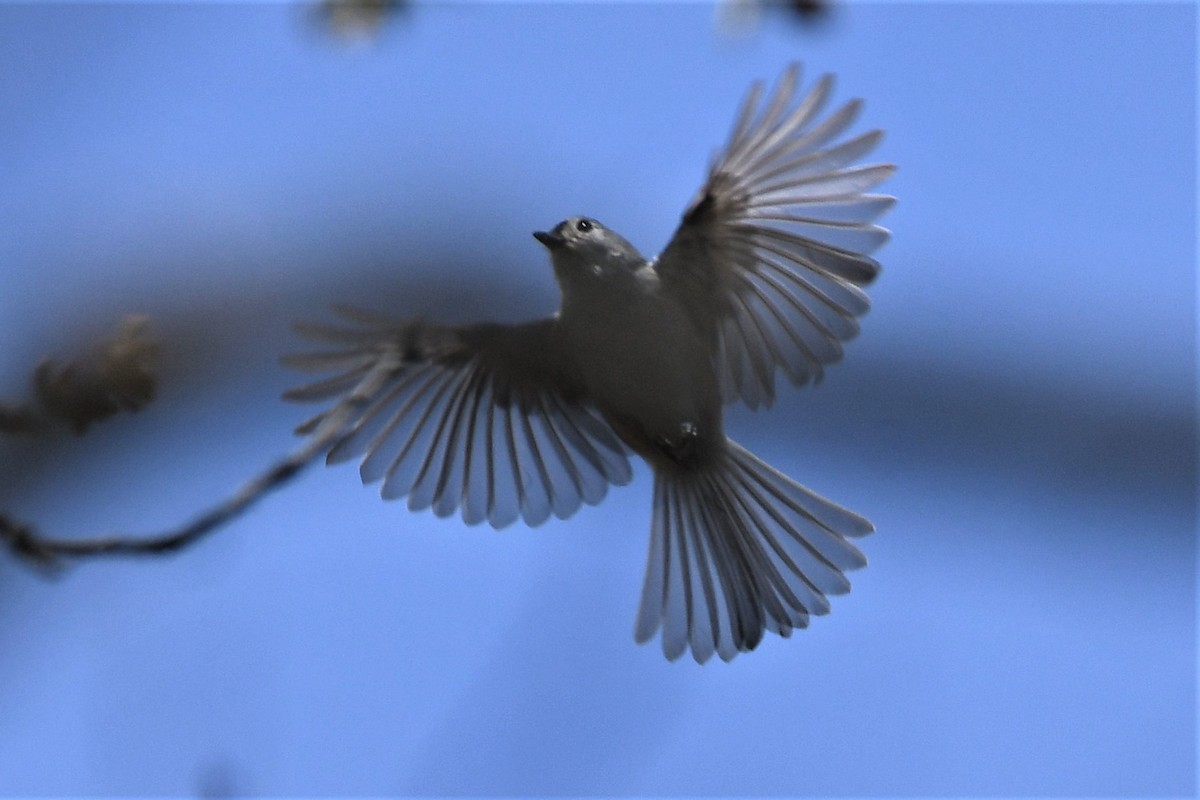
(484,417)
(771,254)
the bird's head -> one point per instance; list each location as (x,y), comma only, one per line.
(582,250)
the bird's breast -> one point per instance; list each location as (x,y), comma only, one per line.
(650,371)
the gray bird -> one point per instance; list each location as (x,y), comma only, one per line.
(524,421)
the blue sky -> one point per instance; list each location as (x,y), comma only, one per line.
(1017,418)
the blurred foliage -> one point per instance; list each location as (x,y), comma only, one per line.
(357,19)
(738,18)
(118,375)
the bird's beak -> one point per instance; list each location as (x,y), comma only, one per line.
(551,240)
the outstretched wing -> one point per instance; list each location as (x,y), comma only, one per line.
(485,417)
(773,251)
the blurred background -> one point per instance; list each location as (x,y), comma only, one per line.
(1018,417)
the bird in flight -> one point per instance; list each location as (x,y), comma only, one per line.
(504,422)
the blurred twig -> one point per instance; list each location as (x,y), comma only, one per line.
(26,543)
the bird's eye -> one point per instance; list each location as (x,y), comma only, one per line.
(584,225)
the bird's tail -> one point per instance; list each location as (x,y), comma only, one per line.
(736,548)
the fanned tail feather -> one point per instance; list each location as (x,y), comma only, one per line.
(738,548)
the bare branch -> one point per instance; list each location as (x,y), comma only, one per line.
(26,543)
